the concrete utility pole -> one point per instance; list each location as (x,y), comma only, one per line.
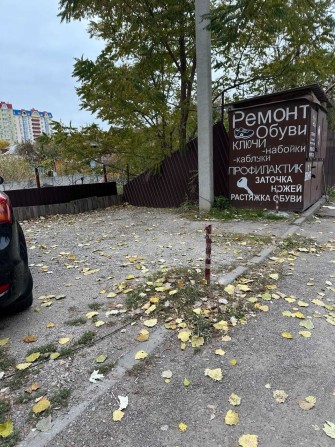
(204,101)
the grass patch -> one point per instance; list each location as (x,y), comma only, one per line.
(66,351)
(95,306)
(28,397)
(44,349)
(6,362)
(140,367)
(11,440)
(14,438)
(330,194)
(296,242)
(181,291)
(243,239)
(76,322)
(4,409)
(106,367)
(19,379)
(232,213)
(86,338)
(61,398)
(223,210)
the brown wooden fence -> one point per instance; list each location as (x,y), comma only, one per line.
(177,180)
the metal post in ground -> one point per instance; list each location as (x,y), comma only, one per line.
(105,173)
(208,230)
(37,177)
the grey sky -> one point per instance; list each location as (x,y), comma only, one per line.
(37,54)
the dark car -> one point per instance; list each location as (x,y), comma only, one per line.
(16,282)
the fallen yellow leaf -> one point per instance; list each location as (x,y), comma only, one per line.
(22,366)
(186,382)
(229,289)
(64,340)
(184,336)
(234,400)
(304,405)
(4,341)
(215,374)
(197,341)
(221,325)
(167,374)
(302,304)
(329,429)
(280,396)
(6,428)
(263,308)
(231,418)
(243,287)
(219,352)
(286,334)
(274,276)
(248,441)
(305,334)
(182,426)
(32,357)
(143,335)
(92,314)
(101,358)
(140,355)
(30,338)
(150,323)
(41,406)
(117,415)
(33,387)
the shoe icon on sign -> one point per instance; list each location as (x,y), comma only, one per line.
(243,133)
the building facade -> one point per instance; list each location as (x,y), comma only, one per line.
(23,126)
(7,123)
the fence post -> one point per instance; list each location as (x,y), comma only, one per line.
(37,177)
(105,173)
(208,230)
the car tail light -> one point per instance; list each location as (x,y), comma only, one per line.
(3,288)
(5,212)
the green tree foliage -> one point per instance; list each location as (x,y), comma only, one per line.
(143,81)
(265,46)
(43,152)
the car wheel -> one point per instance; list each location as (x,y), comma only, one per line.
(23,303)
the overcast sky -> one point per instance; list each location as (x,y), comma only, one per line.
(37,55)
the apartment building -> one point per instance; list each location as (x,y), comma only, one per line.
(20,125)
(7,123)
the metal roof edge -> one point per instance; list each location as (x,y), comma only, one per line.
(285,95)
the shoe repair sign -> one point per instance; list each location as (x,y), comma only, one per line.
(269,147)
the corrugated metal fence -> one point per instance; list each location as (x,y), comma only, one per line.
(329,162)
(71,199)
(176,182)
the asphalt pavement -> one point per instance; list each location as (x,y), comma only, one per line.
(277,387)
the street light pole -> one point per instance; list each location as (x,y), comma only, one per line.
(204,106)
